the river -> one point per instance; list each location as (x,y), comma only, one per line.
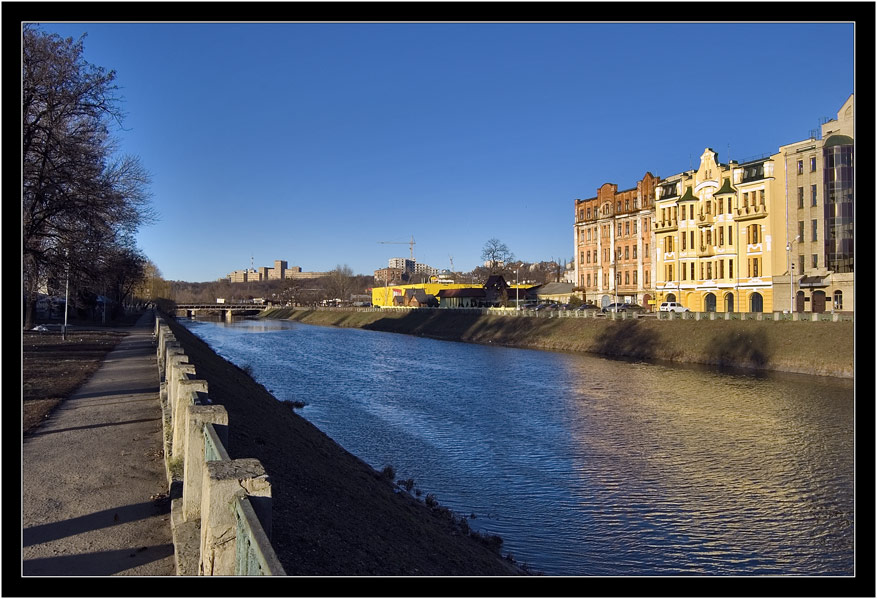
(583,465)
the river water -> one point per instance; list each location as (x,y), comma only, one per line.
(583,465)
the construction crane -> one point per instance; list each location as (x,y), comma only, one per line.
(409,243)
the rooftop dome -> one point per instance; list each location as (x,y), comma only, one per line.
(838,140)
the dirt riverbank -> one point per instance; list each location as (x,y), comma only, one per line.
(816,348)
(333,514)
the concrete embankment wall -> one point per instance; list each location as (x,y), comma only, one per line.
(816,348)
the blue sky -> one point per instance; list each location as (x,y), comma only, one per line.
(313,142)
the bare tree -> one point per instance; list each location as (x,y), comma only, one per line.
(496,256)
(79,200)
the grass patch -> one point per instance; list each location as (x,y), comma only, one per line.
(53,369)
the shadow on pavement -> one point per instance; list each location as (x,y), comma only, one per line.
(101,563)
(44,533)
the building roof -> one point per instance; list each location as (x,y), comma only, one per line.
(688,196)
(555,289)
(726,188)
(464,292)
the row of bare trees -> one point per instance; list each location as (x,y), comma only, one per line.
(82,202)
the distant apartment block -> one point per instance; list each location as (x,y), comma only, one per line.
(279,271)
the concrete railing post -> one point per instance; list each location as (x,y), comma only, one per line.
(193,462)
(221,481)
(186,389)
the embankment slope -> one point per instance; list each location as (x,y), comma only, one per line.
(817,348)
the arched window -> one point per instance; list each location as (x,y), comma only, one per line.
(729,302)
(671,297)
(838,300)
(710,302)
(756,303)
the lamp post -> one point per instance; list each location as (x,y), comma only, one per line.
(518,287)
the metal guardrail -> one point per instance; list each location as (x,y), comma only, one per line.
(254,554)
(214,450)
(765,316)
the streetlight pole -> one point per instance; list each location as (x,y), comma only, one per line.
(66,296)
(518,288)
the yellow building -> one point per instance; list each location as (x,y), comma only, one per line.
(714,236)
(383,296)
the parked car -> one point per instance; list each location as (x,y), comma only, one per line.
(624,307)
(672,307)
(588,308)
(542,307)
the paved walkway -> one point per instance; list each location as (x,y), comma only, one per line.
(94,490)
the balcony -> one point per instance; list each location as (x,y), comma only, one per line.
(705,251)
(705,220)
(750,211)
(670,224)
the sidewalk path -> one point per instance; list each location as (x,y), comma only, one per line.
(94,490)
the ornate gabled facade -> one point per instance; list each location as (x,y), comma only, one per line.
(614,241)
(714,236)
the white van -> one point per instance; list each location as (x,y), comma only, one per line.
(672,307)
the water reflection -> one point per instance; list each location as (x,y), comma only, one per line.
(583,465)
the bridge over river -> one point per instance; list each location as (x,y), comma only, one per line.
(228,311)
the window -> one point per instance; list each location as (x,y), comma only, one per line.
(709,270)
(626,252)
(627,204)
(813,195)
(647,277)
(746,198)
(634,277)
(683,271)
(634,252)
(618,206)
(669,272)
(581,214)
(647,249)
(800,263)
(683,212)
(761,196)
(812,163)
(605,280)
(589,280)
(730,236)
(588,261)
(721,267)
(691,235)
(589,235)
(692,270)
(582,257)
(709,237)
(683,242)
(619,253)
(838,300)
(721,206)
(627,228)
(815,260)
(701,271)
(634,227)
(721,236)
(813,226)
(589,212)
(730,269)
(800,197)
(626,278)
(800,167)
(800,230)
(754,234)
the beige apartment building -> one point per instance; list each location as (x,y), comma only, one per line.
(816,273)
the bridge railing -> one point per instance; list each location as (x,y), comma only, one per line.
(215,499)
